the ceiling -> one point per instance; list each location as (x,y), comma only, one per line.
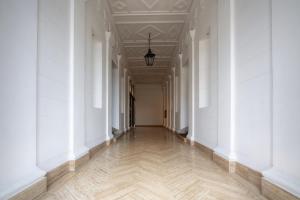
(135,19)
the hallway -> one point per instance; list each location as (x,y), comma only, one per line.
(150,163)
(149,99)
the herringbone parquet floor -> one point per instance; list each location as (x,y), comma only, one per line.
(150,163)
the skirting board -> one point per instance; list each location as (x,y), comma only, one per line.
(76,164)
(256,178)
(33,191)
(57,173)
(250,175)
(97,148)
(274,192)
(41,185)
(224,163)
(207,151)
(73,165)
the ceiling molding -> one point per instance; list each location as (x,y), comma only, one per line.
(152,45)
(152,22)
(151,13)
(146,41)
(149,67)
(149,3)
(156,58)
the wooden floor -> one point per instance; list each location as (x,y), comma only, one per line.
(150,163)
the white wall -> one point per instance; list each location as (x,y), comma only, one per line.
(18,82)
(184,97)
(252,31)
(206,119)
(286,95)
(256,86)
(53,82)
(47,113)
(149,104)
(115,97)
(95,118)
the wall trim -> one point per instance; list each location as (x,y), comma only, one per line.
(76,164)
(256,178)
(275,192)
(32,191)
(57,173)
(40,186)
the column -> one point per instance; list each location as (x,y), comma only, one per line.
(174,98)
(124,98)
(77,146)
(180,109)
(226,131)
(170,102)
(191,134)
(108,76)
(167,104)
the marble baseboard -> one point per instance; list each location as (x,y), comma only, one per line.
(97,148)
(117,137)
(256,178)
(249,174)
(224,163)
(33,191)
(75,164)
(207,151)
(52,176)
(57,173)
(273,192)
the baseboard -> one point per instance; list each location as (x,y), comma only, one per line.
(52,176)
(249,174)
(274,192)
(207,151)
(117,137)
(32,191)
(97,148)
(76,164)
(228,165)
(57,173)
(268,189)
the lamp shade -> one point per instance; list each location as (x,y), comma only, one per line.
(149,58)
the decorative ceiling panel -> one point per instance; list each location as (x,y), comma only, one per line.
(119,6)
(135,19)
(140,32)
(160,51)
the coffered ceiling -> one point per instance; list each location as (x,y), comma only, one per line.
(135,19)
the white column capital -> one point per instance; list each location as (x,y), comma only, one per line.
(192,34)
(180,56)
(107,35)
(125,70)
(170,77)
(119,56)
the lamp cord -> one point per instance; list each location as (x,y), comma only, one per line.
(149,40)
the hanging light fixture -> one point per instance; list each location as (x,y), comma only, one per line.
(149,57)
